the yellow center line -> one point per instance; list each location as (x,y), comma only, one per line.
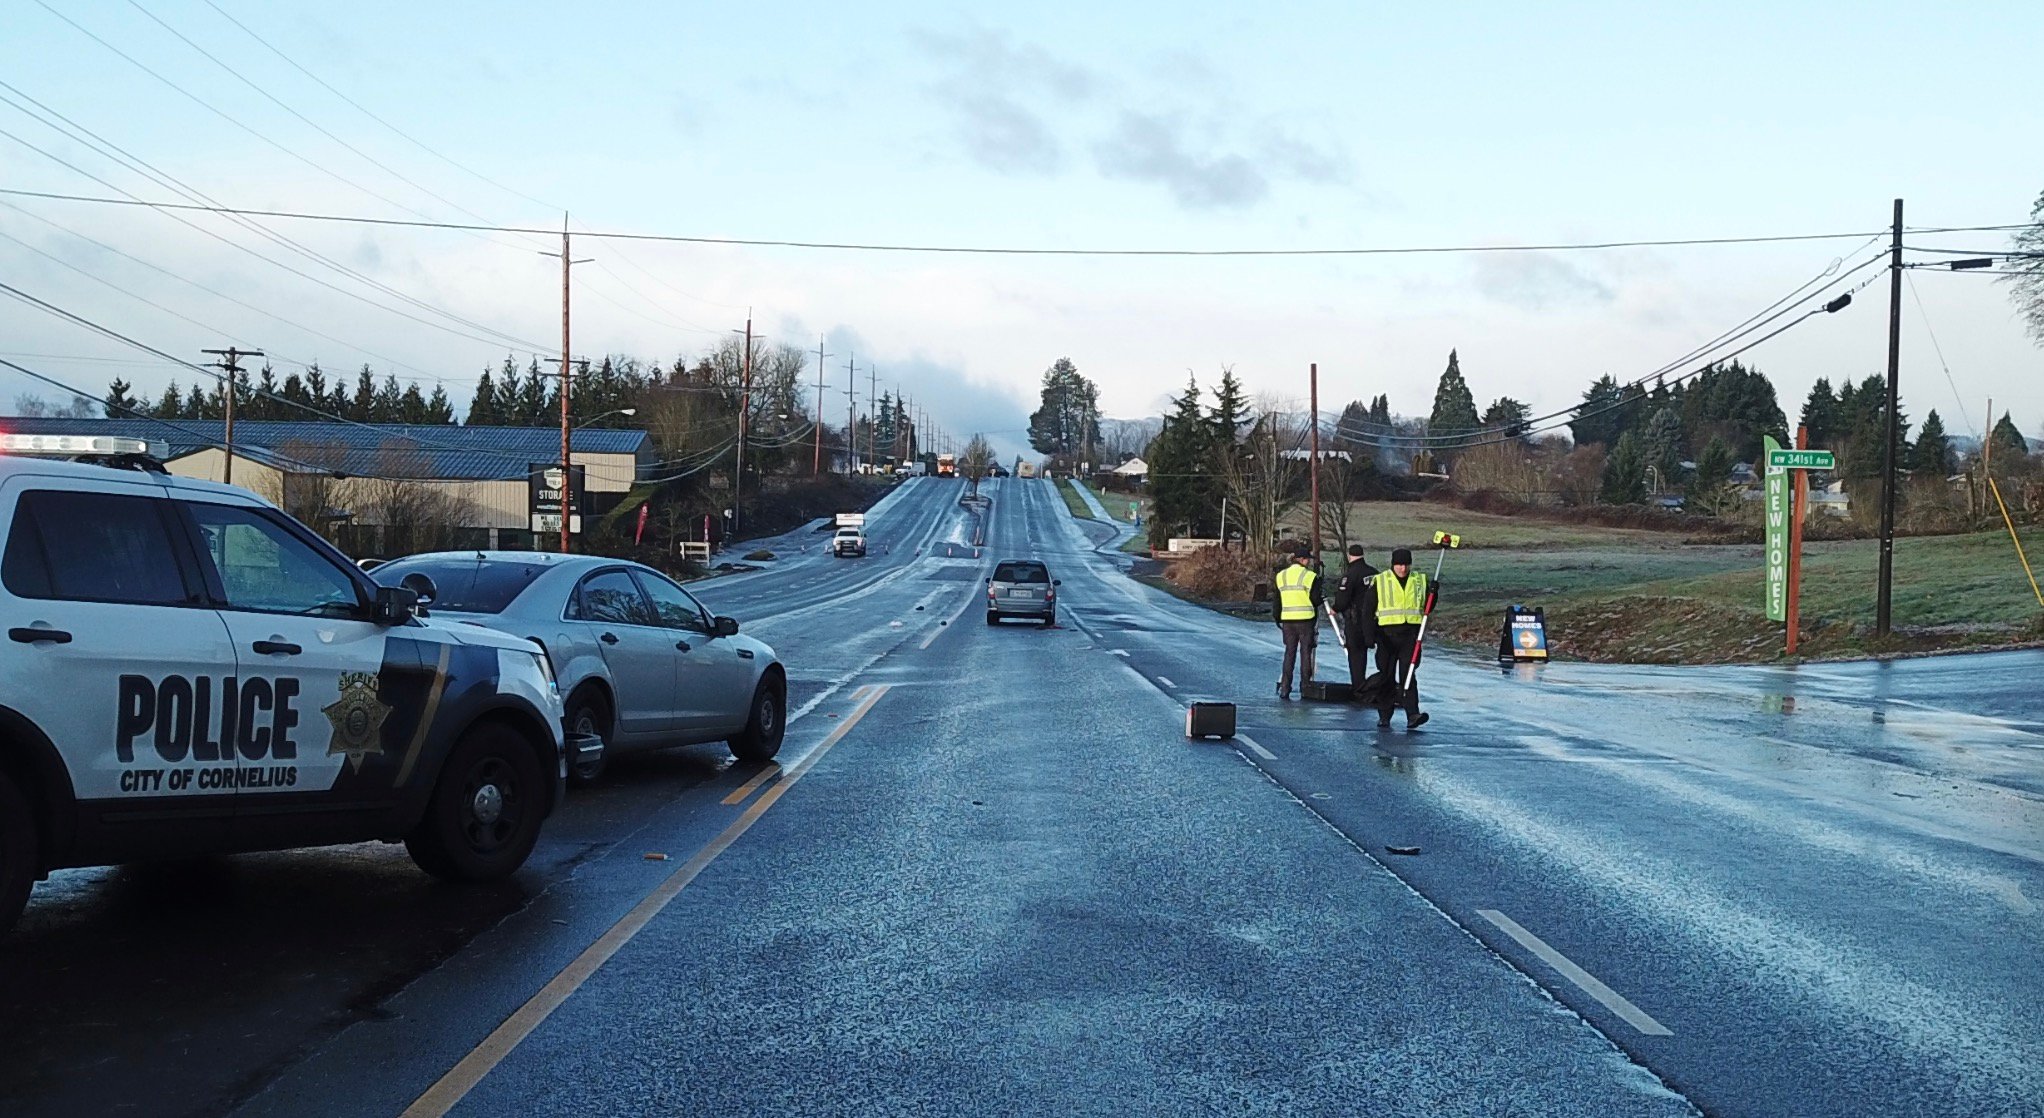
(751,786)
(462,1078)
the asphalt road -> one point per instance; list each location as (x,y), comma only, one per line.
(990,875)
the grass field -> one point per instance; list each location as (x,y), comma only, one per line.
(1067,488)
(1632,595)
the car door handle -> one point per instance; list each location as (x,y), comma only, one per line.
(608,638)
(745,654)
(32,635)
(682,645)
(286,648)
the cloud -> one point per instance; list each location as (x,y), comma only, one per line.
(1148,148)
(1538,281)
(1017,109)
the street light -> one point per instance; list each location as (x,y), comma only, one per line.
(606,415)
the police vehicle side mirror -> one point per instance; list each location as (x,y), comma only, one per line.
(395,605)
(727,626)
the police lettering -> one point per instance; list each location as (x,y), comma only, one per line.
(207,719)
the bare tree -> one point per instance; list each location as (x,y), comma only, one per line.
(1339,470)
(414,513)
(1260,474)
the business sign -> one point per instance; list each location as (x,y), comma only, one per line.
(1777,514)
(545,482)
(1802,459)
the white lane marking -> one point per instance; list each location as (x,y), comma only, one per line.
(1166,681)
(970,597)
(1260,751)
(1584,980)
(1119,651)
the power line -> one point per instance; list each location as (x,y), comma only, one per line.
(1410,250)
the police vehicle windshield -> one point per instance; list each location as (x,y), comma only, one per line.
(465,585)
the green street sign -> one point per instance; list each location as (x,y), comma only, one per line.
(1802,459)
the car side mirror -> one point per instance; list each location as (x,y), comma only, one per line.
(1057,582)
(727,626)
(420,584)
(394,605)
(990,580)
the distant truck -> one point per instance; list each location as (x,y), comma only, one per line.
(1025,468)
(850,538)
(947,465)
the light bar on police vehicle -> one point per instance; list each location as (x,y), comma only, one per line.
(71,444)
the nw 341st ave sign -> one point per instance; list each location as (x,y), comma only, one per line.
(1802,459)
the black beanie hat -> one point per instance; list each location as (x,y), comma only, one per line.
(1402,555)
(1355,551)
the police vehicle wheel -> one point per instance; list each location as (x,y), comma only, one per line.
(761,738)
(589,714)
(17,852)
(484,817)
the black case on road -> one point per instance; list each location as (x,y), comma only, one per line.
(1325,691)
(1210,720)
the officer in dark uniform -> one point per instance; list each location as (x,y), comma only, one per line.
(1355,602)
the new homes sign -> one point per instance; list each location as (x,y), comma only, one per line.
(1777,512)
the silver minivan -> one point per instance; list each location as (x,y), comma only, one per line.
(1021,588)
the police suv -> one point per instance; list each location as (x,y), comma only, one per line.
(188,671)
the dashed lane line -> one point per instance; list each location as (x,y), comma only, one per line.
(1166,681)
(746,789)
(1584,980)
(1260,751)
(463,1077)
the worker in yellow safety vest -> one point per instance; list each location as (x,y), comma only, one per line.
(1401,604)
(1296,609)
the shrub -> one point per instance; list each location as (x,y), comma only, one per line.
(1224,574)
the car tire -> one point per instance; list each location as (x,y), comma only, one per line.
(766,725)
(18,865)
(589,714)
(1049,619)
(993,618)
(483,818)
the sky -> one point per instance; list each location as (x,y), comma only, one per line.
(1136,125)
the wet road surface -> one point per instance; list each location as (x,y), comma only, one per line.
(988,874)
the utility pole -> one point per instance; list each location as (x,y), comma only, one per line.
(873,405)
(851,413)
(744,406)
(568,261)
(229,360)
(1887,573)
(817,467)
(1313,457)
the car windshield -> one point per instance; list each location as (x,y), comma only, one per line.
(1021,572)
(466,585)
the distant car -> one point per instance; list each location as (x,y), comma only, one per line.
(997,471)
(1022,588)
(642,664)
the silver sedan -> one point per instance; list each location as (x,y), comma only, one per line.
(641,663)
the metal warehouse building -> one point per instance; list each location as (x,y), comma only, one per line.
(383,489)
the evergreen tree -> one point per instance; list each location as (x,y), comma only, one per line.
(1601,417)
(1932,454)
(1230,410)
(315,390)
(262,404)
(1506,417)
(292,392)
(389,405)
(362,405)
(1624,481)
(172,404)
(2007,444)
(482,408)
(1661,446)
(119,404)
(1067,424)
(412,405)
(1454,416)
(1820,413)
(535,402)
(439,409)
(1713,469)
(1380,413)
(1182,483)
